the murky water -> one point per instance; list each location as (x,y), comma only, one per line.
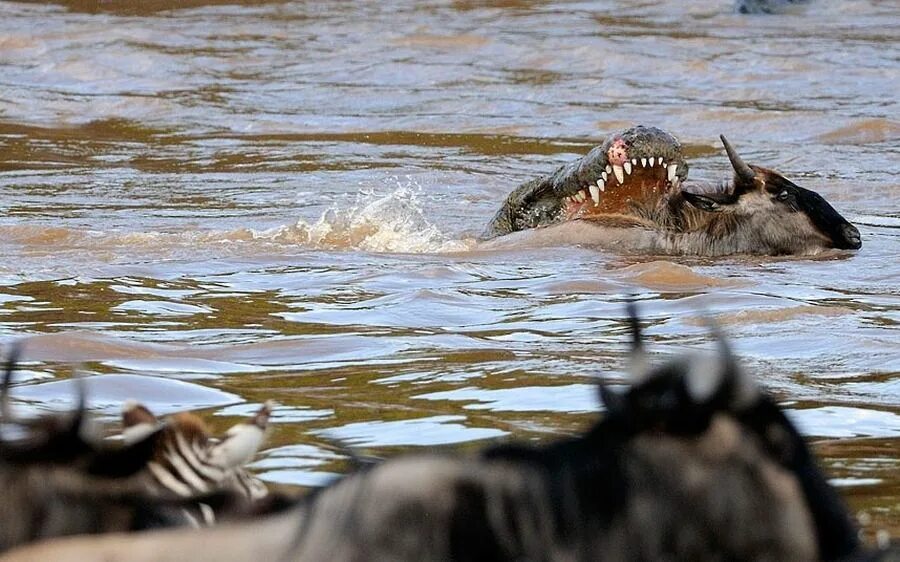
(226,203)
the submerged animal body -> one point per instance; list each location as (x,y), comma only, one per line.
(617,197)
(693,462)
(60,479)
(769,6)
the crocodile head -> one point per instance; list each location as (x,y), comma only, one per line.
(635,166)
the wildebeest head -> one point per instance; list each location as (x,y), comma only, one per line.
(681,396)
(782,215)
(692,462)
(684,395)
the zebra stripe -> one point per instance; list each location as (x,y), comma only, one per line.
(188,462)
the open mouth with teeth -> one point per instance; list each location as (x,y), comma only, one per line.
(638,166)
(632,170)
(620,185)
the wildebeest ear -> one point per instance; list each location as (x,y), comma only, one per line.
(616,403)
(137,422)
(124,461)
(703,381)
(702,202)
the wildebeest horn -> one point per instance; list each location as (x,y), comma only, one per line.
(740,391)
(11,360)
(79,419)
(729,365)
(742,170)
(640,365)
(634,324)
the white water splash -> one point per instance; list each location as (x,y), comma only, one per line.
(391,223)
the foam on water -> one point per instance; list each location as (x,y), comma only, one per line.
(395,222)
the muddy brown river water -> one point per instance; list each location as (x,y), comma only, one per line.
(211,206)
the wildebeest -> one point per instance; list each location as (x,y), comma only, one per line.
(693,462)
(59,478)
(617,198)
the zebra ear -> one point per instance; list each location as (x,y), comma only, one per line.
(242,441)
(137,422)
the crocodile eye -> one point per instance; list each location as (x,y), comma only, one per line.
(783,195)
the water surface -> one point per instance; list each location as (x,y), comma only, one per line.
(227,202)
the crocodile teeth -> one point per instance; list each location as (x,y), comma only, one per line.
(644,162)
(652,161)
(634,161)
(604,175)
(601,184)
(595,194)
(661,163)
(620,173)
(671,171)
(608,169)
(627,166)
(580,196)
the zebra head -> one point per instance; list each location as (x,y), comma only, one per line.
(187,460)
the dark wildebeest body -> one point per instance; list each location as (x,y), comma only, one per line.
(693,463)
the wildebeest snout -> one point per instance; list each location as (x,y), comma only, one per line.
(851,237)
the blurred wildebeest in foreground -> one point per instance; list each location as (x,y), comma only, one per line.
(60,478)
(693,462)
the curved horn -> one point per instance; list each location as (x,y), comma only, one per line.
(79,419)
(740,390)
(12,359)
(640,364)
(741,170)
(729,363)
(634,325)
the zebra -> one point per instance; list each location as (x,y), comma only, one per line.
(187,461)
